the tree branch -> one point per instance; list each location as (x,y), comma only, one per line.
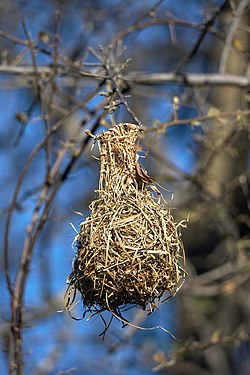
(144,78)
(187,79)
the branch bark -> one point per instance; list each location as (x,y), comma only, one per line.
(144,78)
(189,79)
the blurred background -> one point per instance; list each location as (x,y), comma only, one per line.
(182,70)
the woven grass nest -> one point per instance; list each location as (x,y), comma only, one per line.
(129,250)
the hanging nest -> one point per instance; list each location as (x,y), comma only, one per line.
(129,250)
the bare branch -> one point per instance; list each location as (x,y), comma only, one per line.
(197,120)
(145,78)
(164,21)
(189,79)
(208,24)
(174,357)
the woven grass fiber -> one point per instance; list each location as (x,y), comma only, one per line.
(129,250)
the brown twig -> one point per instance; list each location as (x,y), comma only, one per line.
(173,358)
(196,121)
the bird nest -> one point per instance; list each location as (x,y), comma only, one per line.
(129,250)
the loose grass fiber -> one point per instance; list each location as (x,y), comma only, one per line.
(129,250)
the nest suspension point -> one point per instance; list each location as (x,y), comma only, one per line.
(129,250)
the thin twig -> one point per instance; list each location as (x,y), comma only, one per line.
(173,358)
(200,39)
(164,21)
(197,120)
